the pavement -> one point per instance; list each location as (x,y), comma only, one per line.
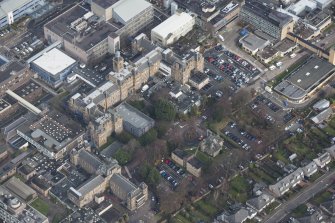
(306,194)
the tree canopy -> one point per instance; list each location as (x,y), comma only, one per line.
(148,137)
(164,110)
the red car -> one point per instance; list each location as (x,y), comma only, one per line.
(167,161)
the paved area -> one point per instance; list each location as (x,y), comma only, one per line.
(306,194)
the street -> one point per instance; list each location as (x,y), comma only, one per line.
(301,198)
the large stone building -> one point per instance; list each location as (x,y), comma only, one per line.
(273,23)
(93,165)
(133,196)
(89,36)
(86,193)
(105,173)
(126,78)
(102,127)
(182,66)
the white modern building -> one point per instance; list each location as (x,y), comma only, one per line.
(53,66)
(172,29)
(12,10)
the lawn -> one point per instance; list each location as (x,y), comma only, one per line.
(280,155)
(300,211)
(41,206)
(181,218)
(315,176)
(321,197)
(239,188)
(209,209)
(261,175)
(329,130)
(204,158)
(271,207)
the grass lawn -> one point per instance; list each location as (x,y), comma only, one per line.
(321,197)
(41,206)
(204,158)
(329,130)
(239,188)
(315,176)
(271,207)
(180,218)
(206,208)
(280,155)
(262,175)
(300,211)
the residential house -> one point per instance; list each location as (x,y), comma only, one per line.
(238,217)
(323,160)
(310,169)
(260,202)
(288,182)
(212,145)
(322,116)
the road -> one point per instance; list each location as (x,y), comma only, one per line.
(301,198)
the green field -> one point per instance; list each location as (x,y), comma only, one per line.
(41,206)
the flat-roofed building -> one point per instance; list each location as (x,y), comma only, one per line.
(198,80)
(170,30)
(134,121)
(89,36)
(12,10)
(53,67)
(212,16)
(41,185)
(274,23)
(26,171)
(53,134)
(252,43)
(134,196)
(13,75)
(306,79)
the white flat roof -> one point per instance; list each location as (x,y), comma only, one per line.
(7,6)
(54,61)
(127,9)
(172,24)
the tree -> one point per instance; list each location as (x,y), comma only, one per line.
(122,156)
(164,110)
(240,99)
(153,177)
(218,113)
(148,137)
(124,137)
(161,128)
(195,111)
(150,175)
